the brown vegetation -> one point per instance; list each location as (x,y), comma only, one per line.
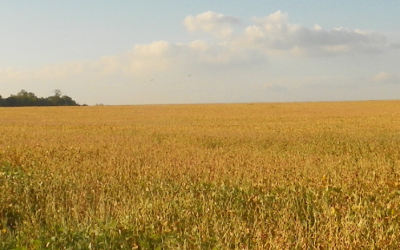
(238,176)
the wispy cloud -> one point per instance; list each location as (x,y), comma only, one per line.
(394,46)
(385,77)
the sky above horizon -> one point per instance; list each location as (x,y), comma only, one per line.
(163,52)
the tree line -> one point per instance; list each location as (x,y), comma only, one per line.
(24,98)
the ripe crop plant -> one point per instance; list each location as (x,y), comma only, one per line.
(224,176)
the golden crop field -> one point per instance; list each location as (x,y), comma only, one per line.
(233,176)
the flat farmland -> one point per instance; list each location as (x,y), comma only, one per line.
(224,176)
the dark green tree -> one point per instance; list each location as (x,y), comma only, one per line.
(27,99)
(24,98)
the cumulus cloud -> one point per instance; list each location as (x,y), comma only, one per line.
(211,22)
(275,35)
(274,32)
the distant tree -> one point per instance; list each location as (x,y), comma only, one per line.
(52,100)
(59,100)
(27,99)
(57,92)
(13,101)
(42,102)
(24,98)
(68,101)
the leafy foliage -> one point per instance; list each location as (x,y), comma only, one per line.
(24,98)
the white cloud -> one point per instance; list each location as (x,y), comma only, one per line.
(211,22)
(60,71)
(275,33)
(144,60)
(10,73)
(382,76)
(162,56)
(385,77)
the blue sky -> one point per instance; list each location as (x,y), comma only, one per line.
(151,52)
